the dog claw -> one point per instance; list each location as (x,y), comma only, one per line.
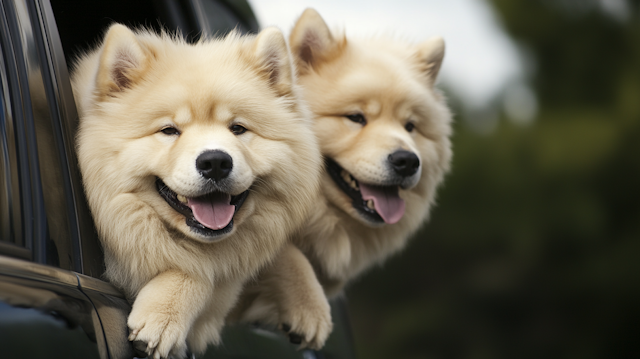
(295,338)
(140,348)
(133,335)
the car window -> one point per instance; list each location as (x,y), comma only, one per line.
(238,12)
(219,19)
(9,188)
(11,239)
(48,142)
(81,24)
(88,257)
(45,194)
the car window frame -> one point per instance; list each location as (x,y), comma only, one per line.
(87,248)
(35,27)
(32,217)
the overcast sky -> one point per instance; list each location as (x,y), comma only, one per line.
(480,57)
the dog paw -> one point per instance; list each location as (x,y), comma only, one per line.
(309,328)
(157,334)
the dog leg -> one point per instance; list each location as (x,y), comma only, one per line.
(207,328)
(290,285)
(328,243)
(164,311)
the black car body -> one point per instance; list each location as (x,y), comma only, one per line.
(53,303)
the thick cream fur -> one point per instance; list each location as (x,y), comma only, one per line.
(287,293)
(182,286)
(391,83)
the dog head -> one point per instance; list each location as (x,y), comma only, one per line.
(383,128)
(208,135)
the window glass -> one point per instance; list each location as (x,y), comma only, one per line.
(47,135)
(10,209)
(5,181)
(220,19)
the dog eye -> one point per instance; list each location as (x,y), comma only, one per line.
(409,126)
(237,129)
(357,118)
(169,130)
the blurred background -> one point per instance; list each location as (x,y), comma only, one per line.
(533,250)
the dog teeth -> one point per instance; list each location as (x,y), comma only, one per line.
(182,198)
(370,204)
(348,178)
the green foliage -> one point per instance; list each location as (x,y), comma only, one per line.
(534,248)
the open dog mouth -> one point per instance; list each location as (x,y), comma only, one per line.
(378,204)
(210,215)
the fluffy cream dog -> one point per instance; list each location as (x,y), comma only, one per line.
(384,132)
(198,162)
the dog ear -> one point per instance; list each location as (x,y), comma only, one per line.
(122,60)
(311,41)
(273,54)
(430,54)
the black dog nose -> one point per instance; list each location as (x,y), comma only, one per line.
(405,163)
(214,165)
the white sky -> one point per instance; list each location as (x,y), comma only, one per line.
(480,60)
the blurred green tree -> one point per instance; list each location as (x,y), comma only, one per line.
(534,248)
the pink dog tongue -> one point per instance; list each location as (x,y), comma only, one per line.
(213,211)
(386,201)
